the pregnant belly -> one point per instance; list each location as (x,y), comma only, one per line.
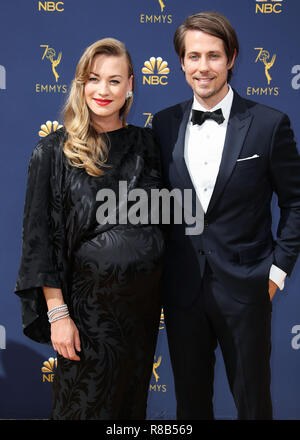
(119,255)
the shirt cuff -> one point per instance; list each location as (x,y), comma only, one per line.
(277,276)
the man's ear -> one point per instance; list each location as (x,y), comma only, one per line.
(231,64)
(182,65)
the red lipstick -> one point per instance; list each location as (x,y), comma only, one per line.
(102,102)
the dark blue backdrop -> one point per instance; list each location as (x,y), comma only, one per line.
(30,96)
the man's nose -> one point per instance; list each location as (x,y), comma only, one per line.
(203,64)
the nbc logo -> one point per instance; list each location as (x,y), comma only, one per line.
(51,6)
(2,78)
(48,369)
(155,71)
(48,127)
(268,6)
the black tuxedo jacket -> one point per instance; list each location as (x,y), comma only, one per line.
(237,238)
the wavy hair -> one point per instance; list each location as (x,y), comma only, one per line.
(85,147)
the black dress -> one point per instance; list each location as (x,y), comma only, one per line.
(110,275)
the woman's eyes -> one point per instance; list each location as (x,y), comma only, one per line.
(112,81)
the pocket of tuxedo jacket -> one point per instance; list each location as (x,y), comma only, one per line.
(256,252)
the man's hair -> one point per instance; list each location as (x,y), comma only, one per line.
(211,23)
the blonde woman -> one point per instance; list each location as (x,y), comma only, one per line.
(92,289)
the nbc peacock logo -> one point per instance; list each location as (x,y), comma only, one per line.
(48,128)
(48,369)
(155,72)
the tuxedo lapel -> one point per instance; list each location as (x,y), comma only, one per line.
(180,121)
(237,129)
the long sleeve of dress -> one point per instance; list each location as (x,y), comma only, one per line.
(38,266)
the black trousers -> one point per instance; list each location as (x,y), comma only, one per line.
(243,332)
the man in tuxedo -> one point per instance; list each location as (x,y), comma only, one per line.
(234,154)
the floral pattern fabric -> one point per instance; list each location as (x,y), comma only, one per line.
(110,275)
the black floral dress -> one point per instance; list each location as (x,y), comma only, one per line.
(110,275)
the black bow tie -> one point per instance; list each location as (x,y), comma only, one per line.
(198,117)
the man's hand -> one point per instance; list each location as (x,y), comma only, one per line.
(272,289)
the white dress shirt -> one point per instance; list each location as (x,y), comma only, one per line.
(203,152)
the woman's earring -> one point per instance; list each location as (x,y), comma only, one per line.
(129,94)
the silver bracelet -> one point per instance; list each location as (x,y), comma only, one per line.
(57,309)
(60,316)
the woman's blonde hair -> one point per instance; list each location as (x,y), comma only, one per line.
(84,147)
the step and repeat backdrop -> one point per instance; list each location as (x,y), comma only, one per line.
(40,44)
